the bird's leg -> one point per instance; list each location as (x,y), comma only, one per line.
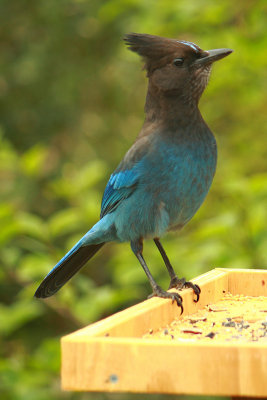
(137,248)
(175,281)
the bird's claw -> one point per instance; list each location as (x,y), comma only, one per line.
(158,292)
(177,283)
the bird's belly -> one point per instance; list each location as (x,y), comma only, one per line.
(187,193)
(154,208)
(185,204)
(141,215)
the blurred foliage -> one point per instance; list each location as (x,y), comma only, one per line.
(72,103)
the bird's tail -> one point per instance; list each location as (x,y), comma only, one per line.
(68,266)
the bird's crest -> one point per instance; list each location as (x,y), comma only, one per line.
(157,50)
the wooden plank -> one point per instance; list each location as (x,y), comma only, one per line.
(248,282)
(163,367)
(111,355)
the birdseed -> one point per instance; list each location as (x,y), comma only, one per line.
(235,318)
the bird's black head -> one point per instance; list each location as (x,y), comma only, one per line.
(175,67)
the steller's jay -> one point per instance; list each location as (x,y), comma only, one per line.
(166,174)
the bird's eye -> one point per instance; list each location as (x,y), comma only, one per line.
(178,62)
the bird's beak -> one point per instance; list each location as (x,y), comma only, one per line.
(210,56)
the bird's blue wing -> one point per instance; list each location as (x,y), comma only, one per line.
(121,185)
(124,180)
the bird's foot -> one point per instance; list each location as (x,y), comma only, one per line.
(159,292)
(177,283)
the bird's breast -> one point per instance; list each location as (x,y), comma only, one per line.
(181,176)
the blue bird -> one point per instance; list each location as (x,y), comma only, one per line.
(166,174)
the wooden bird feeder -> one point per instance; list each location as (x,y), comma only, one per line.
(138,350)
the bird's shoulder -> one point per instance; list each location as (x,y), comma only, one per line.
(137,152)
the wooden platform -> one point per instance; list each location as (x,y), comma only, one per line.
(113,356)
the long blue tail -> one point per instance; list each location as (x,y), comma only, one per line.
(68,266)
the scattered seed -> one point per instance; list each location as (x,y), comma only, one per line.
(253,319)
(216,309)
(195,320)
(238,319)
(229,324)
(194,331)
(233,318)
(211,335)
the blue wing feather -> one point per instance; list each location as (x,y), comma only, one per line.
(120,186)
(124,180)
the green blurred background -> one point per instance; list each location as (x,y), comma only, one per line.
(72,101)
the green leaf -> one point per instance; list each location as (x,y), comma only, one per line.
(32,161)
(13,317)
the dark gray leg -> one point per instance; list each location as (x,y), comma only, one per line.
(175,281)
(137,248)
